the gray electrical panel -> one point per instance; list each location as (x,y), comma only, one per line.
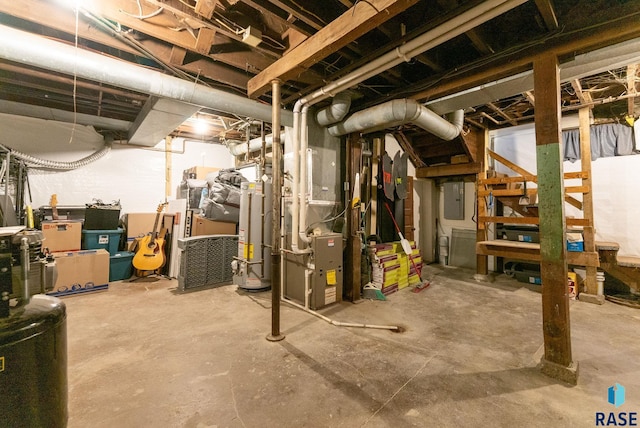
(325,279)
(454,200)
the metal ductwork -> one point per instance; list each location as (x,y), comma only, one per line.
(399,112)
(338,109)
(34,50)
(239,148)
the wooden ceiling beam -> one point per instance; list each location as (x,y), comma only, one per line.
(530,97)
(160,28)
(51,15)
(474,36)
(624,29)
(583,97)
(502,113)
(471,168)
(479,42)
(355,22)
(632,72)
(200,67)
(297,14)
(548,14)
(205,7)
(265,10)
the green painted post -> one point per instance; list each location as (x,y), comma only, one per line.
(557,361)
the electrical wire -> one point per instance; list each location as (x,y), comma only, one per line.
(75,79)
(143,17)
(312,225)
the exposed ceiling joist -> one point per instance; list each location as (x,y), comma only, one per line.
(58,18)
(583,97)
(632,72)
(498,110)
(164,29)
(530,97)
(625,28)
(205,7)
(297,13)
(548,14)
(266,10)
(363,17)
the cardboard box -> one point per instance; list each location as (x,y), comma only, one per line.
(203,226)
(81,272)
(201,171)
(62,235)
(575,242)
(138,224)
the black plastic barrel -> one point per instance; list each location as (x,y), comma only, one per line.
(33,365)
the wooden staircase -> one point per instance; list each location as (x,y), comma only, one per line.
(503,189)
(623,268)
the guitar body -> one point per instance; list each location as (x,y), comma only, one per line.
(150,254)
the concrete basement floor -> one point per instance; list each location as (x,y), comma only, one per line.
(143,355)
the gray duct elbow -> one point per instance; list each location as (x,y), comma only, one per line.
(338,109)
(396,113)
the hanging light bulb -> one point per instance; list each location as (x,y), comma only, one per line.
(201,126)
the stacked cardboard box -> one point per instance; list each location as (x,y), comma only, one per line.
(78,271)
(392,269)
(385,266)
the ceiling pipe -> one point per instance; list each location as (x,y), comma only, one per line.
(337,111)
(240,148)
(399,112)
(30,49)
(458,25)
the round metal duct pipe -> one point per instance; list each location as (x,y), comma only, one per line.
(30,49)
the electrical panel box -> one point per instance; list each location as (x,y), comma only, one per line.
(454,200)
(325,280)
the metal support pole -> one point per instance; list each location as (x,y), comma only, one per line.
(276,191)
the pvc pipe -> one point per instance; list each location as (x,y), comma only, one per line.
(448,30)
(30,49)
(304,146)
(341,323)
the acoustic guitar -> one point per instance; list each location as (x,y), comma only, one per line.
(150,252)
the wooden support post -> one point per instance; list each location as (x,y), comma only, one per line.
(372,219)
(557,361)
(354,241)
(587,205)
(482,262)
(168,188)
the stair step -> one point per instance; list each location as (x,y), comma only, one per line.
(627,261)
(611,246)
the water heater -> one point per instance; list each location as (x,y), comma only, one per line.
(252,266)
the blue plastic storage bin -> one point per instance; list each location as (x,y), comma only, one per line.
(120,266)
(106,239)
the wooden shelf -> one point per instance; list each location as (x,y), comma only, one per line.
(531,251)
